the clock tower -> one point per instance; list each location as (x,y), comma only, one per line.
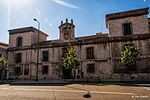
(67,31)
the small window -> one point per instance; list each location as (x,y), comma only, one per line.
(45,70)
(19,42)
(127,29)
(18,58)
(17,70)
(90,52)
(91,68)
(45,56)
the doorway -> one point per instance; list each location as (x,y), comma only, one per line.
(67,73)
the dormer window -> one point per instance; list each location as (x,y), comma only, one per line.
(127,29)
(19,42)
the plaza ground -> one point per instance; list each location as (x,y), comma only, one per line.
(74,92)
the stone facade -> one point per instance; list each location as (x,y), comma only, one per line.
(99,54)
(3,49)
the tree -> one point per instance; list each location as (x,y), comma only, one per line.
(70,60)
(129,56)
(3,66)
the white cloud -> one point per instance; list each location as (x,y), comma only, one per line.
(63,3)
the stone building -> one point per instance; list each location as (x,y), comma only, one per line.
(99,54)
(3,49)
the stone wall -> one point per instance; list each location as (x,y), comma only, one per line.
(29,38)
(3,52)
(101,60)
(143,58)
(139,77)
(139,25)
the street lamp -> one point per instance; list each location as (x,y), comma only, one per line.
(37,66)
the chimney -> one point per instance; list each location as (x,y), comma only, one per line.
(71,21)
(61,22)
(66,20)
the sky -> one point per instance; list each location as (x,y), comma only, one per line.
(88,15)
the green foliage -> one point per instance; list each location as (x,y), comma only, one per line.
(129,56)
(3,63)
(70,59)
(3,67)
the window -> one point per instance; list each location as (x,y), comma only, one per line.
(0,55)
(45,70)
(26,70)
(19,42)
(18,58)
(91,68)
(45,56)
(17,70)
(127,29)
(64,51)
(90,52)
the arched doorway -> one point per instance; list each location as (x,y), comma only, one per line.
(67,73)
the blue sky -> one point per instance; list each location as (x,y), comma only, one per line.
(88,15)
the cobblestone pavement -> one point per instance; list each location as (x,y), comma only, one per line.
(74,92)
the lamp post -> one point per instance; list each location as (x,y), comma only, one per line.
(37,66)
